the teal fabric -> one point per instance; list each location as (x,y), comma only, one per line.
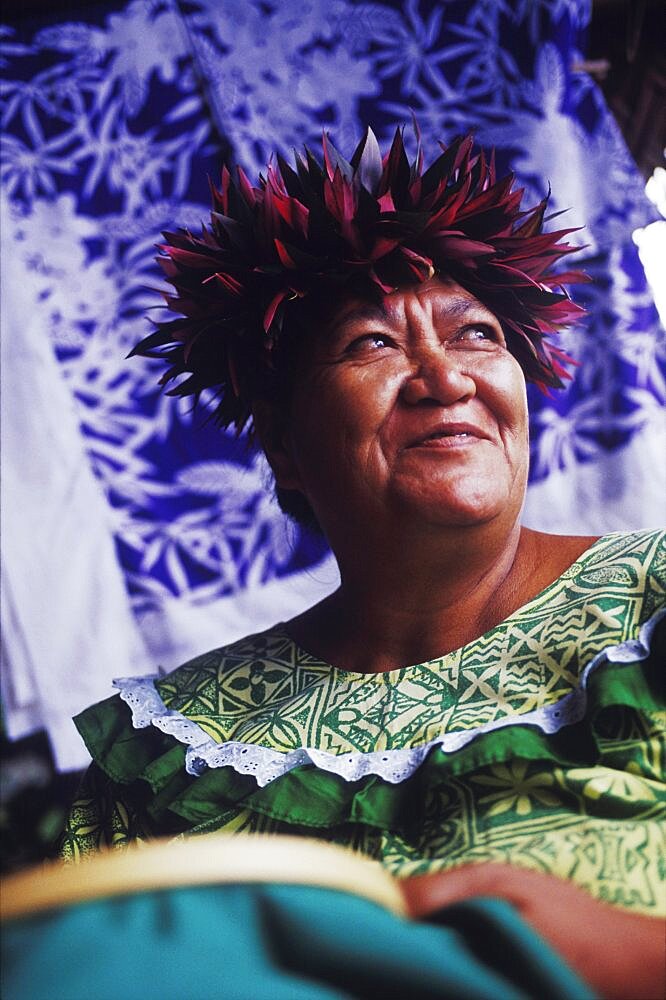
(277,942)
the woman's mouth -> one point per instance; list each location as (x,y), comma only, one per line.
(448,437)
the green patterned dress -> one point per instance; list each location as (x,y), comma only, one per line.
(539,744)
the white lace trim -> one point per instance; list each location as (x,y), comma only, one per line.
(394,766)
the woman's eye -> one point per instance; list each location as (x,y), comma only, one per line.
(369,341)
(478,334)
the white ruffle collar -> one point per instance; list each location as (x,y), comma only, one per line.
(266,764)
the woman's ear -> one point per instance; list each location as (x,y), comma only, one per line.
(273,435)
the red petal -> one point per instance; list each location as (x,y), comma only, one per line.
(272,308)
(199,261)
(227,281)
(283,254)
(249,193)
(386,203)
(294,213)
(382,246)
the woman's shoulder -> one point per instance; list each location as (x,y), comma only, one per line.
(624,571)
(635,552)
(579,553)
(634,559)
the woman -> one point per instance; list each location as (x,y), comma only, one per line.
(476,696)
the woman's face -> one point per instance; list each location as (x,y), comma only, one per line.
(412,408)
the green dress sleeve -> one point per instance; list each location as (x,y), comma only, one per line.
(102,815)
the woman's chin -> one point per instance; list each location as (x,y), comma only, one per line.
(448,504)
(453,512)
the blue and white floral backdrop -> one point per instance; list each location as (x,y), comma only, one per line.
(139,534)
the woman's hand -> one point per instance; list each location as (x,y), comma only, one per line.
(621,955)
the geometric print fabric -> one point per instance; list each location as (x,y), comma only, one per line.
(597,823)
(266,690)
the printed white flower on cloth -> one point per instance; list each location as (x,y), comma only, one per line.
(564,438)
(49,237)
(89,295)
(596,783)
(146,40)
(325,73)
(66,289)
(130,164)
(267,80)
(553,148)
(305,20)
(27,170)
(515,790)
(251,516)
(233,485)
(411,51)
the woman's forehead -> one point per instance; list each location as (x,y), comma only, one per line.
(442,298)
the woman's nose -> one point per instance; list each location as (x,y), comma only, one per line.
(437,378)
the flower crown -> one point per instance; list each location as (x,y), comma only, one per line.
(382,220)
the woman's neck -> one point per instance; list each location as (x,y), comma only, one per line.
(406,606)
